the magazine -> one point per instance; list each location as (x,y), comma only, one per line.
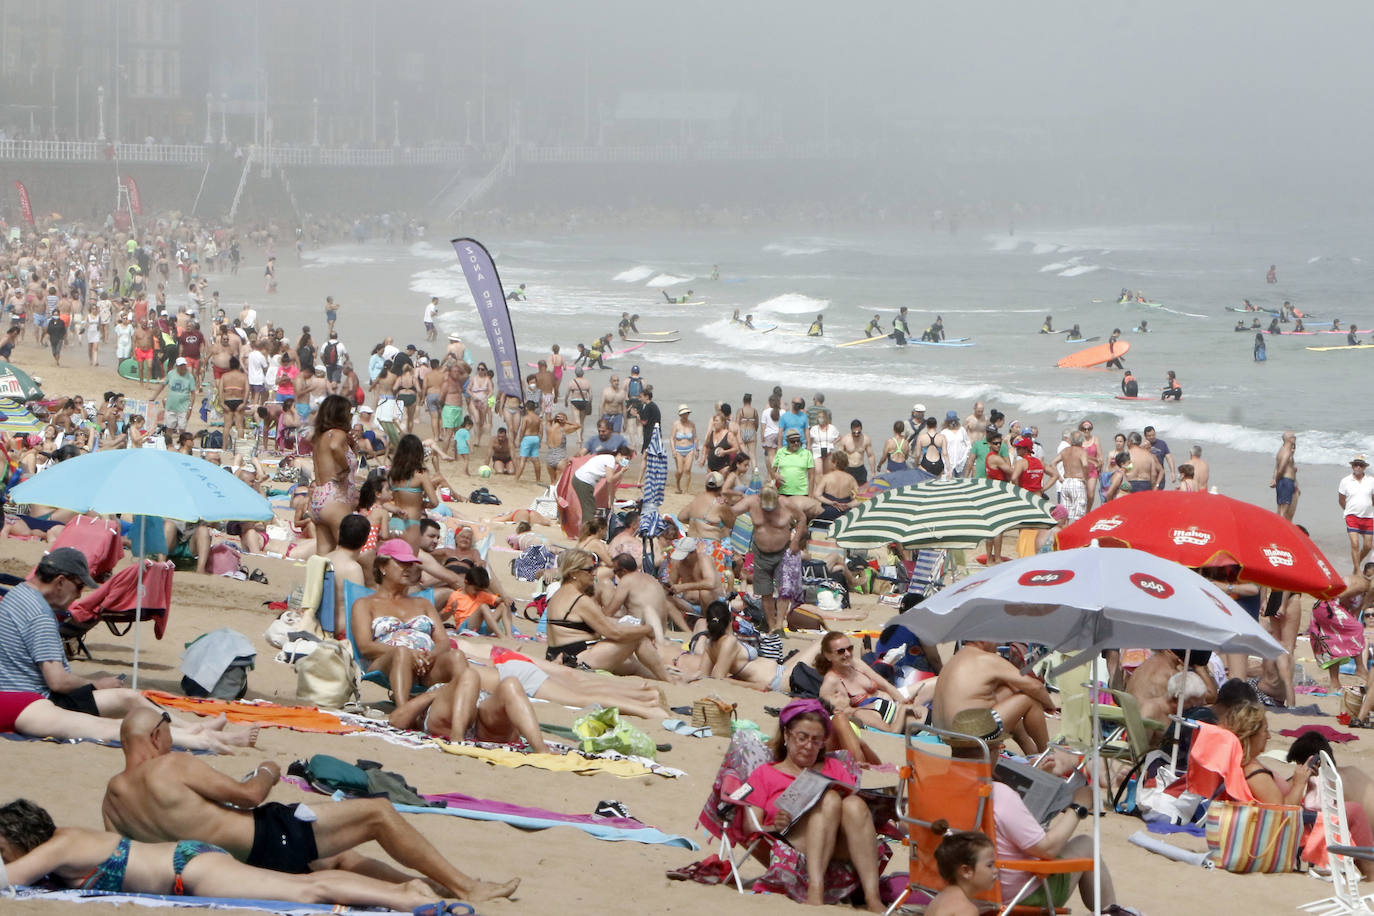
(805,791)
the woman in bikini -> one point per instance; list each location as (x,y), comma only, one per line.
(580,635)
(592,539)
(462,711)
(738,475)
(747,424)
(1093,449)
(412,490)
(555,451)
(837,488)
(479,406)
(334,493)
(684,447)
(720,654)
(33,849)
(398,635)
(407,393)
(895,450)
(848,684)
(231,393)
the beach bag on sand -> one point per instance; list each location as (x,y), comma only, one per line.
(1250,838)
(714,713)
(603,730)
(225,560)
(1352,698)
(328,677)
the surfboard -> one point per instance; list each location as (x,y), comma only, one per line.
(1095,356)
(1368,346)
(672,333)
(951,342)
(1236,308)
(862,340)
(1081,339)
(1138,397)
(644,340)
(626,350)
(128,368)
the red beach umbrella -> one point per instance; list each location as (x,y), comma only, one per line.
(1207,529)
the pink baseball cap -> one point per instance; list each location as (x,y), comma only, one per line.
(398,550)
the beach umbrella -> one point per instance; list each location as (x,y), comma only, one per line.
(17,418)
(1090,599)
(651,522)
(1207,529)
(941,513)
(142,481)
(18,384)
(892,480)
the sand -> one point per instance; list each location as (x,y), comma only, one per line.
(563,870)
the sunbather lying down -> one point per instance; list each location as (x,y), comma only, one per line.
(560,684)
(31,714)
(32,849)
(460,710)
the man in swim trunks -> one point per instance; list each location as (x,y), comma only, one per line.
(1285,481)
(331,312)
(164,796)
(613,404)
(1356,497)
(531,429)
(709,518)
(858,448)
(145,348)
(977,677)
(975,424)
(1073,481)
(1160,449)
(548,388)
(579,397)
(778,530)
(451,399)
(1143,472)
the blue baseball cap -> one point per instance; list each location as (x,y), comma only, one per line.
(634,370)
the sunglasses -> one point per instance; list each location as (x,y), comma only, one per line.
(166,719)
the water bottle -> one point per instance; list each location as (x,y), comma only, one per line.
(755,481)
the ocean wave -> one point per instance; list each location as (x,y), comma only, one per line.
(1314,259)
(663,280)
(1058,266)
(636,274)
(792,304)
(1079,270)
(444,282)
(1005,243)
(428,252)
(776,343)
(1046,248)
(793,250)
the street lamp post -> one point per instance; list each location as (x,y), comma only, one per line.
(209,118)
(100,111)
(315,115)
(223,128)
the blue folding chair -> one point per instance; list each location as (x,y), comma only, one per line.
(351,593)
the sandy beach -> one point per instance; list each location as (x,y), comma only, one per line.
(563,869)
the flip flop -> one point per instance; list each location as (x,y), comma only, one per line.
(679,727)
(444,908)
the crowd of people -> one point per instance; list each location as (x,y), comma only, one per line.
(365,482)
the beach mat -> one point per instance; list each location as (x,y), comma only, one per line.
(257,712)
(204,903)
(617,765)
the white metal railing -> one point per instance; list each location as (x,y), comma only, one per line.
(96,150)
(687,152)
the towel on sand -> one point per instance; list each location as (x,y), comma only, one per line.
(257,712)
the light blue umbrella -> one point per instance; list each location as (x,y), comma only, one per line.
(145,481)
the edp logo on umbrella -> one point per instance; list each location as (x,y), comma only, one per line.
(1151,586)
(1045,577)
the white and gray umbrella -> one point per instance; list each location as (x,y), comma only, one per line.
(942,513)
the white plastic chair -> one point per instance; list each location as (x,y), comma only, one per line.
(1345,876)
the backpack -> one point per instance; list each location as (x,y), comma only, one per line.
(211,439)
(330,354)
(634,387)
(805,681)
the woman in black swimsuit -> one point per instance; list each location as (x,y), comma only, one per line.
(407,393)
(721,445)
(580,635)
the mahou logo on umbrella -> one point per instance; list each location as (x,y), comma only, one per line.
(1151,585)
(1193,535)
(1277,556)
(1107,524)
(1045,577)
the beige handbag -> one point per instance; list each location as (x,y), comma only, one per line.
(328,677)
(715,713)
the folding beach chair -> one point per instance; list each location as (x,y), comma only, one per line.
(1344,875)
(97,539)
(351,593)
(116,602)
(936,786)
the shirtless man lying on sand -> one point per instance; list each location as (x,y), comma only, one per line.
(164,796)
(976,676)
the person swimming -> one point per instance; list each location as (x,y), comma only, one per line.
(875,327)
(1172,389)
(817,328)
(1129,386)
(1048,326)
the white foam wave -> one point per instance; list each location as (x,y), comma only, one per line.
(1314,259)
(776,343)
(789,251)
(448,283)
(792,304)
(666,280)
(634,274)
(1004,243)
(428,252)
(1079,270)
(1045,248)
(1058,266)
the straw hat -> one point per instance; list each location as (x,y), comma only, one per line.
(977,723)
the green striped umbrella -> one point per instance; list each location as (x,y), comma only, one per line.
(16,383)
(942,513)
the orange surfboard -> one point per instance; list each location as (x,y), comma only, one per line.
(1094,356)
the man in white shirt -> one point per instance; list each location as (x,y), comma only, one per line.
(431,313)
(257,373)
(1356,497)
(956,444)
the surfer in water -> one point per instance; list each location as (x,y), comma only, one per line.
(735,318)
(1336,325)
(901,330)
(678,300)
(1350,338)
(1129,386)
(1274,327)
(715,271)
(875,327)
(1273,275)
(817,328)
(1144,328)
(517,294)
(1124,297)
(749,322)
(1261,353)
(1240,326)
(1298,328)
(1172,389)
(1074,334)
(1048,326)
(1115,361)
(936,332)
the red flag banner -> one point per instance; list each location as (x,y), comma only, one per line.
(25,207)
(134,202)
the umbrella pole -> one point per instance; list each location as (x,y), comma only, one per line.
(138,612)
(1178,720)
(1097,797)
